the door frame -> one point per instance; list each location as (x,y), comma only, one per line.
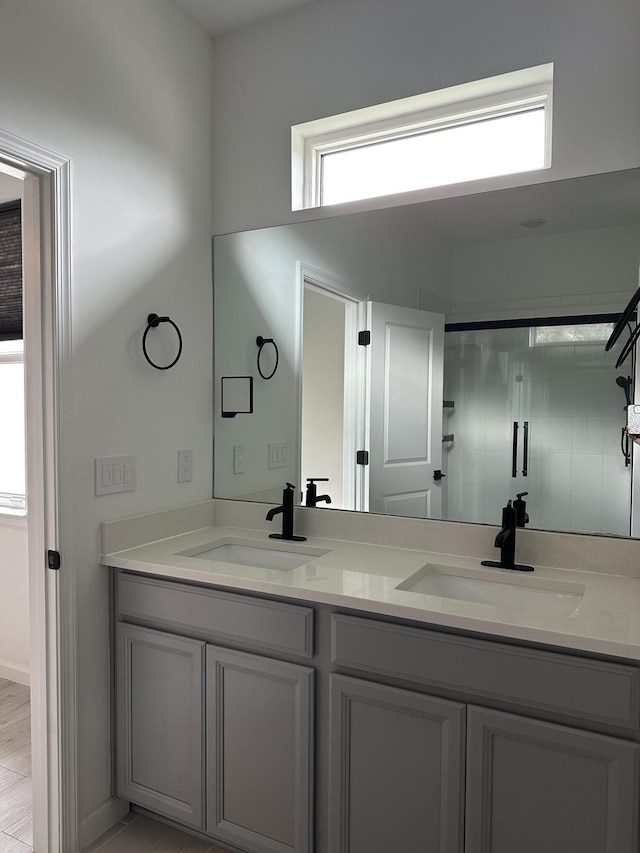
(46,226)
(355,485)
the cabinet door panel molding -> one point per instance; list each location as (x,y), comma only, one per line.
(396,769)
(160,723)
(534,786)
(259,750)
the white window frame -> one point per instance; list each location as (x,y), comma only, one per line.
(11,503)
(479,100)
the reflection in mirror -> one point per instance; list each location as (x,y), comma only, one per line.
(485,372)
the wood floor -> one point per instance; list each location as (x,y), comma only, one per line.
(134,834)
(16,835)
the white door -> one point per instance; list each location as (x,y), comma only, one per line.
(405,410)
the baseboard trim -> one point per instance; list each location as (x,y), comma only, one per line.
(101,819)
(15,672)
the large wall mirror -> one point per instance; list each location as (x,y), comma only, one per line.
(484,374)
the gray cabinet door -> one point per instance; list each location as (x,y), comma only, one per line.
(396,770)
(534,786)
(259,752)
(160,723)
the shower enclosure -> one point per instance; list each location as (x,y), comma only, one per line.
(538,409)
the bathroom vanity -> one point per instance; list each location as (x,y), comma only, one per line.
(366,699)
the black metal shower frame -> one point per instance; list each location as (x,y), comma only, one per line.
(530,322)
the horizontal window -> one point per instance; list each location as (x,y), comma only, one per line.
(591,333)
(492,127)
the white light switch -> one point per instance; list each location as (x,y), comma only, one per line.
(278,454)
(115,474)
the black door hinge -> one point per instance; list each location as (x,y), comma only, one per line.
(53,560)
(364,338)
(362,457)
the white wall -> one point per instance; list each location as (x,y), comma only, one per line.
(124,90)
(10,188)
(14,601)
(338,55)
(589,271)
(14,580)
(323,368)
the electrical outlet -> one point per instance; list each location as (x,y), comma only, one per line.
(239,458)
(185,466)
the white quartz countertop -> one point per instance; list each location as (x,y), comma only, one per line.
(570,609)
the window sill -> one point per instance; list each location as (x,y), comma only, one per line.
(12,517)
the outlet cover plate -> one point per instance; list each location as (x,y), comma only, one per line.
(185,466)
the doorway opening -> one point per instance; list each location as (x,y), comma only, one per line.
(16,824)
(332,396)
(45,217)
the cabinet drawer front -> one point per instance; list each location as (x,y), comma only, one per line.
(565,685)
(215,615)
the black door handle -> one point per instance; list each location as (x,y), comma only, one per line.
(514,450)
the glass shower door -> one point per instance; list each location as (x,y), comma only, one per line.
(537,414)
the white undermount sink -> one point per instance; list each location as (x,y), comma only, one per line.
(243,553)
(500,588)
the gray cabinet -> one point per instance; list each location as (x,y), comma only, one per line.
(533,786)
(160,723)
(259,737)
(396,771)
(216,739)
(221,739)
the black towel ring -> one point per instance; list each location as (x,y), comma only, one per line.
(153,321)
(260,341)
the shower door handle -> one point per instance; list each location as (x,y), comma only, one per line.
(525,450)
(514,450)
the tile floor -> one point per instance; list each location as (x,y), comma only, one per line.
(139,834)
(16,834)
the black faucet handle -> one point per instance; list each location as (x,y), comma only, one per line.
(317,479)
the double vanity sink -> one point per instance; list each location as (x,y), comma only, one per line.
(567,608)
(337,676)
(499,588)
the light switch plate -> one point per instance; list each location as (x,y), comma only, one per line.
(115,474)
(278,454)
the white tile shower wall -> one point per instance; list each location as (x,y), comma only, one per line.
(577,479)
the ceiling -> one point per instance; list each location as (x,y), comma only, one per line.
(220,16)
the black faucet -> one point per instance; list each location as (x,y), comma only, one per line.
(506,541)
(287,516)
(312,498)
(520,506)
